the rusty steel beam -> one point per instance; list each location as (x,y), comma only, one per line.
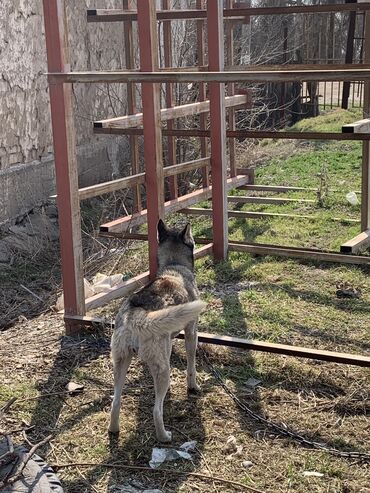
(217,130)
(115,15)
(242,134)
(265,74)
(250,344)
(150,93)
(65,160)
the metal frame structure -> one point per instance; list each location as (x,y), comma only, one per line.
(224,175)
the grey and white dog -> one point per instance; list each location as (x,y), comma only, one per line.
(149,320)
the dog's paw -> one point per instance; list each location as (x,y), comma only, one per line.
(194,389)
(113,430)
(165,437)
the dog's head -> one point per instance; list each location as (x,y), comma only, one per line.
(175,247)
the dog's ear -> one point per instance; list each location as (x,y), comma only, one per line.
(162,231)
(187,236)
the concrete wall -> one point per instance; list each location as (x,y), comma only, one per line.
(26,159)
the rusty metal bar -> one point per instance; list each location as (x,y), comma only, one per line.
(114,15)
(266,74)
(171,144)
(131,100)
(65,160)
(201,52)
(148,44)
(243,134)
(250,344)
(217,130)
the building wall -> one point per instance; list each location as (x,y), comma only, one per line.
(26,150)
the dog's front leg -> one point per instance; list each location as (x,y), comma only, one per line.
(191,342)
(120,367)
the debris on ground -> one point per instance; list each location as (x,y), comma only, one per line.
(160,455)
(74,388)
(347,290)
(247,464)
(313,474)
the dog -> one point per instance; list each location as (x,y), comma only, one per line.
(150,318)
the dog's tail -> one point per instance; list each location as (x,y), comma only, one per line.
(174,318)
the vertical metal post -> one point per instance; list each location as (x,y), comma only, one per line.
(365,196)
(349,54)
(171,143)
(131,99)
(148,43)
(202,93)
(65,160)
(230,86)
(217,129)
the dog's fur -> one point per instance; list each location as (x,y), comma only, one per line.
(149,320)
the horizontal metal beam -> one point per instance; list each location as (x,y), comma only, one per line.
(236,199)
(264,74)
(284,189)
(248,344)
(239,134)
(357,244)
(197,211)
(182,111)
(299,253)
(115,15)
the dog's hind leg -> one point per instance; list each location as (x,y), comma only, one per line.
(120,367)
(161,378)
(191,341)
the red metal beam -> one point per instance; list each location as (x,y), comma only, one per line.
(148,43)
(217,130)
(201,52)
(65,160)
(131,100)
(171,143)
(251,344)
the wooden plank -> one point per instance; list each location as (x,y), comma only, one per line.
(123,223)
(133,284)
(150,93)
(217,130)
(267,200)
(177,169)
(303,253)
(115,15)
(242,134)
(263,215)
(135,180)
(111,186)
(65,161)
(126,288)
(357,72)
(131,101)
(365,179)
(170,113)
(362,126)
(249,344)
(357,244)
